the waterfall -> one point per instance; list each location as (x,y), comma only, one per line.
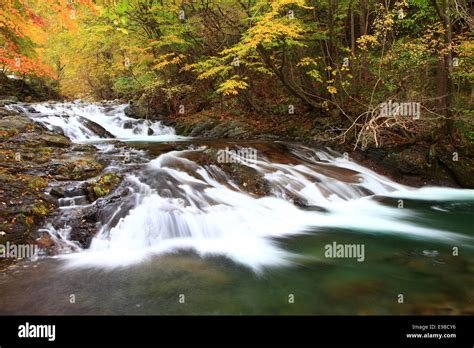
(84,122)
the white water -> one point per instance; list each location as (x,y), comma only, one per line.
(178,204)
(67,116)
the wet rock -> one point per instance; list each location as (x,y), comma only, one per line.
(135,110)
(150,131)
(74,192)
(4,112)
(303,204)
(45,241)
(102,186)
(32,110)
(57,130)
(84,225)
(109,109)
(96,128)
(7,100)
(57,192)
(128,125)
(247,178)
(168,123)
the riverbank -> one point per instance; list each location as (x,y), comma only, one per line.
(31,158)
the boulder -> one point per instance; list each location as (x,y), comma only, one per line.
(55,140)
(96,128)
(19,123)
(102,186)
(201,128)
(7,100)
(411,161)
(79,169)
(134,110)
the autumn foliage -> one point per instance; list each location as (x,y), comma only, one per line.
(23,31)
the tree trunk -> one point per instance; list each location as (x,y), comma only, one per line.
(292,88)
(353,40)
(363,31)
(443,11)
(441,85)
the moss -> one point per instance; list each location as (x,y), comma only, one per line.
(99,191)
(103,186)
(6,176)
(40,210)
(35,182)
(78,170)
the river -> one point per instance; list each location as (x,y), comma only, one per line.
(195,234)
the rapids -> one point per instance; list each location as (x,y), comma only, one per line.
(182,199)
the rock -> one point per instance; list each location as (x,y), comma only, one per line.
(128,125)
(45,241)
(108,109)
(411,161)
(7,100)
(168,123)
(96,128)
(228,129)
(150,131)
(83,148)
(57,192)
(32,110)
(200,128)
(84,225)
(58,130)
(19,123)
(101,187)
(79,169)
(459,165)
(56,140)
(134,110)
(74,192)
(4,112)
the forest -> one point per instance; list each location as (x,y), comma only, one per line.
(321,64)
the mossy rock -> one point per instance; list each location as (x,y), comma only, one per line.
(80,169)
(40,210)
(102,186)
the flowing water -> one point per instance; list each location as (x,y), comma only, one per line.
(194,235)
